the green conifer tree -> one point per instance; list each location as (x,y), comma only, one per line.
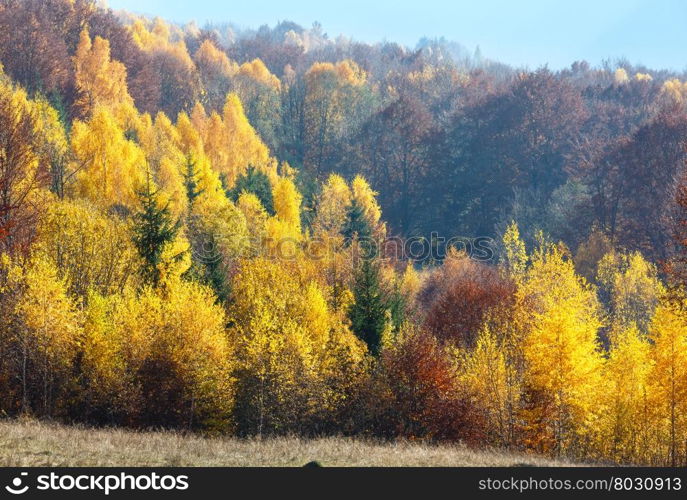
(256,182)
(368,313)
(356,226)
(190,181)
(154,229)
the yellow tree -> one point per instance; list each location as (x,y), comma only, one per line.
(192,350)
(366,199)
(260,93)
(559,324)
(111,168)
(22,173)
(297,358)
(105,353)
(209,185)
(627,424)
(136,126)
(257,71)
(216,228)
(668,331)
(101,80)
(190,137)
(159,357)
(89,249)
(256,219)
(162,147)
(53,150)
(199,119)
(632,288)
(219,237)
(674,89)
(332,96)
(216,71)
(40,337)
(230,142)
(214,139)
(246,147)
(487,373)
(332,205)
(284,229)
(515,258)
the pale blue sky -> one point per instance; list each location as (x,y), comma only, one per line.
(518,32)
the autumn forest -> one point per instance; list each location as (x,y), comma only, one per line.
(270,232)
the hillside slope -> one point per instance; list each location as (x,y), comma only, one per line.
(30,443)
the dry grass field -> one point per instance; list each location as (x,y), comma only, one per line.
(28,443)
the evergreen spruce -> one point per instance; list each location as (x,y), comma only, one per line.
(154,229)
(208,271)
(357,226)
(190,182)
(368,314)
(256,182)
(214,274)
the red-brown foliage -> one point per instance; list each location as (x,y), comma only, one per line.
(418,395)
(458,296)
(676,265)
(18,179)
(649,164)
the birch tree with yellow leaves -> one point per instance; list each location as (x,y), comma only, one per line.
(111,168)
(632,287)
(332,205)
(488,375)
(216,72)
(297,359)
(668,377)
(101,80)
(333,94)
(158,357)
(230,141)
(90,251)
(559,322)
(627,427)
(39,331)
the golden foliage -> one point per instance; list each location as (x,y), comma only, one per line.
(159,356)
(257,71)
(559,323)
(489,375)
(633,286)
(674,89)
(111,168)
(284,229)
(627,425)
(40,327)
(102,80)
(516,255)
(668,377)
(89,249)
(230,141)
(296,355)
(332,205)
